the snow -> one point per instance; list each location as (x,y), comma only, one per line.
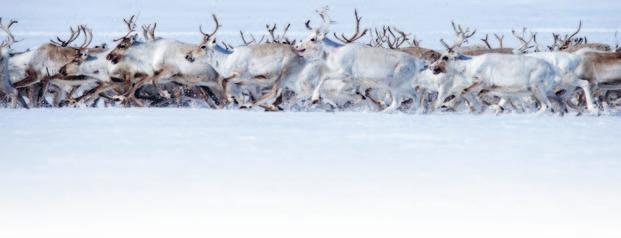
(121,172)
(203,173)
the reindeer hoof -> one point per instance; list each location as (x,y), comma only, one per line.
(68,102)
(119,98)
(165,94)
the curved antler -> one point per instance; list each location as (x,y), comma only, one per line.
(566,42)
(88,37)
(10,39)
(461,36)
(207,36)
(148,31)
(357,35)
(326,19)
(526,44)
(73,35)
(131,26)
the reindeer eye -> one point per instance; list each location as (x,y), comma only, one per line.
(203,47)
(445,58)
(313,39)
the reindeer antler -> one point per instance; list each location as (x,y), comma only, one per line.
(327,21)
(10,39)
(461,36)
(206,36)
(485,40)
(499,38)
(567,40)
(253,39)
(394,41)
(131,26)
(88,37)
(526,44)
(357,35)
(450,49)
(148,31)
(73,35)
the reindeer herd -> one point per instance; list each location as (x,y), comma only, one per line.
(389,72)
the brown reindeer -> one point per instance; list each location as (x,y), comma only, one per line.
(396,40)
(43,64)
(478,51)
(569,44)
(601,69)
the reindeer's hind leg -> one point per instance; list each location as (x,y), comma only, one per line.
(586,87)
(543,99)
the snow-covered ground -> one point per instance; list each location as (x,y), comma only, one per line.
(205,173)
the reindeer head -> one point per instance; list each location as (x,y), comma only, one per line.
(124,42)
(81,52)
(565,42)
(312,46)
(451,54)
(209,43)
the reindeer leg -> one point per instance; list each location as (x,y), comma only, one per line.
(161,92)
(201,92)
(224,85)
(584,84)
(29,80)
(324,78)
(19,97)
(543,99)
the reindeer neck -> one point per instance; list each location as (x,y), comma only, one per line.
(330,44)
(218,58)
(460,64)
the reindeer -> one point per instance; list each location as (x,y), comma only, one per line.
(268,66)
(395,42)
(42,65)
(158,61)
(360,66)
(566,65)
(571,45)
(601,69)
(5,58)
(509,77)
(490,49)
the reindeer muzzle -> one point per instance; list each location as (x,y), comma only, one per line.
(189,58)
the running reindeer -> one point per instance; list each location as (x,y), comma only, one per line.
(158,61)
(360,67)
(267,67)
(5,57)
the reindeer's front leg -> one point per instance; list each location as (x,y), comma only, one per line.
(224,81)
(324,78)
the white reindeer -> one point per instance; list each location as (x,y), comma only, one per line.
(157,61)
(510,77)
(360,66)
(5,58)
(267,65)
